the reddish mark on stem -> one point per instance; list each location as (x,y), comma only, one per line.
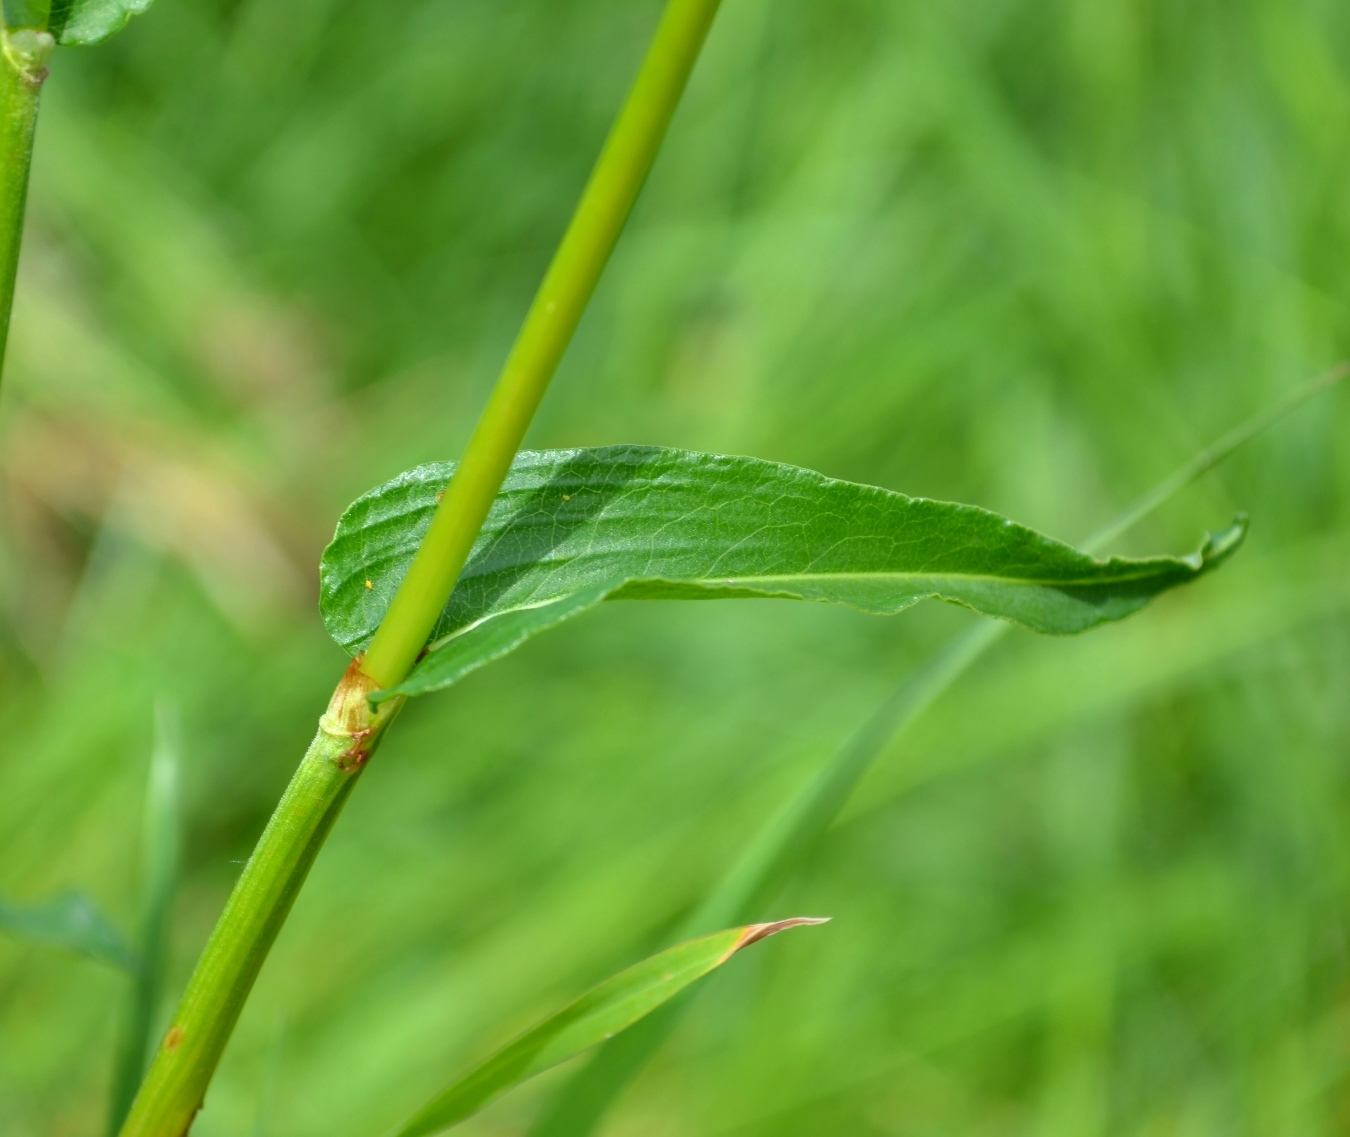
(174,1039)
(355,758)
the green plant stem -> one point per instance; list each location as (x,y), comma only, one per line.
(571,278)
(23,66)
(186,1058)
(351,729)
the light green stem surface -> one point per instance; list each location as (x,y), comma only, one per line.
(351,729)
(186,1058)
(571,278)
(23,66)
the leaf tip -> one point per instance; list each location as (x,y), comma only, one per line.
(1222,545)
(756,932)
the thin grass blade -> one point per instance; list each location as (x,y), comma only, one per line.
(160,839)
(601,1013)
(785,841)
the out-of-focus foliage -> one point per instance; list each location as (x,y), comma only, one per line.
(1024,253)
(72,923)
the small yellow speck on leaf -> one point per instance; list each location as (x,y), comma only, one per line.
(567,497)
(369,585)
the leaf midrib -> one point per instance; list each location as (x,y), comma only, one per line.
(723,582)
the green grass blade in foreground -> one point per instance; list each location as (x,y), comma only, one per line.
(599,1014)
(70,922)
(778,848)
(160,836)
(572,527)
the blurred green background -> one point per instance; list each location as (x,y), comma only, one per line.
(1026,253)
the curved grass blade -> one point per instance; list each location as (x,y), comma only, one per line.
(782,844)
(572,527)
(160,830)
(71,922)
(599,1014)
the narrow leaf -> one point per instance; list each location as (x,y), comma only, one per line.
(160,839)
(775,851)
(579,1105)
(72,922)
(572,527)
(599,1014)
(85,22)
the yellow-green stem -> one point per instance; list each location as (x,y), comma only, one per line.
(187,1055)
(562,297)
(23,66)
(351,729)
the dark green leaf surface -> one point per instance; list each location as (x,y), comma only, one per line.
(69,921)
(599,1014)
(84,22)
(573,527)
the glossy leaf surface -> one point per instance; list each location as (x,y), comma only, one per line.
(85,22)
(573,527)
(598,1015)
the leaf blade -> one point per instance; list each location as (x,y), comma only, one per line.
(579,1104)
(632,522)
(83,23)
(602,1012)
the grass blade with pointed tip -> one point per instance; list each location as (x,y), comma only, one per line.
(573,527)
(781,844)
(160,831)
(71,922)
(599,1014)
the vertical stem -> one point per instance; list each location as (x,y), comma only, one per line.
(571,278)
(351,729)
(186,1058)
(23,66)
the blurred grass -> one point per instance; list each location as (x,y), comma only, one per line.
(1026,253)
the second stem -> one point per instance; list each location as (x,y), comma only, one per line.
(23,66)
